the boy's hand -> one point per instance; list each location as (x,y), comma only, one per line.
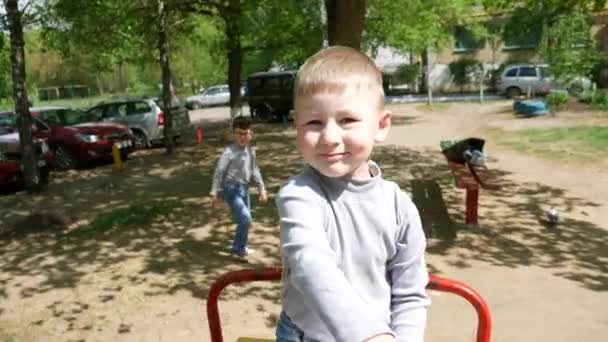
(263,198)
(382,338)
(213,201)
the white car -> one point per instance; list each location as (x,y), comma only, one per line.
(217,95)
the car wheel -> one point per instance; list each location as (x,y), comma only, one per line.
(141,141)
(64,158)
(513,92)
(195,105)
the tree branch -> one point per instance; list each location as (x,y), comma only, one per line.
(205,7)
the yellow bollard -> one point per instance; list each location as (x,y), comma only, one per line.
(116,155)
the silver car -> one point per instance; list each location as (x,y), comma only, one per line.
(144,116)
(217,95)
(516,80)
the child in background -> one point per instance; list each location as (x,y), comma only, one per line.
(235,168)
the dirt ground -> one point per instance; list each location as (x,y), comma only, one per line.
(149,281)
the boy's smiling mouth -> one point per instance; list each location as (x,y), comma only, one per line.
(334,156)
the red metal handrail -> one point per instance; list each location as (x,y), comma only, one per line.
(484,324)
(484,319)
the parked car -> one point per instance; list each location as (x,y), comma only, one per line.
(270,94)
(144,116)
(11,170)
(516,80)
(217,95)
(74,136)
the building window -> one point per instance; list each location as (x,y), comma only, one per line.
(530,42)
(464,40)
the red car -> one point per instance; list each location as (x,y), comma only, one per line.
(11,171)
(74,136)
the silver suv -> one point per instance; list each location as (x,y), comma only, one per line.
(520,79)
(145,118)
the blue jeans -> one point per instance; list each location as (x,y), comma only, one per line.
(287,331)
(237,197)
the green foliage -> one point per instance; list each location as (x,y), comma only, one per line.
(529,21)
(284,32)
(524,28)
(570,49)
(414,26)
(598,98)
(599,74)
(557,98)
(199,58)
(461,70)
(408,73)
(6,82)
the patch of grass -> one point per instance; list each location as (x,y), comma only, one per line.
(116,220)
(436,106)
(582,143)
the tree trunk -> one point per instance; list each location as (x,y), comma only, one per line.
(163,48)
(99,82)
(345,20)
(427,76)
(24,118)
(235,55)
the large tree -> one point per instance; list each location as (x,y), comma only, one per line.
(570,49)
(14,16)
(165,67)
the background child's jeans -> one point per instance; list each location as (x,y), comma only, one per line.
(237,196)
(287,331)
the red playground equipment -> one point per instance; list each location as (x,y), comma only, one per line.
(484,324)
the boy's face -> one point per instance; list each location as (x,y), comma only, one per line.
(242,137)
(336,132)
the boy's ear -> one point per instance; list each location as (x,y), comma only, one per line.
(384,123)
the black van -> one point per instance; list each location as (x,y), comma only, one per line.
(270,94)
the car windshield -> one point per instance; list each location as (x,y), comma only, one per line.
(67,117)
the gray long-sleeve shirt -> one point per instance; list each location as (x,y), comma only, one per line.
(236,164)
(353,258)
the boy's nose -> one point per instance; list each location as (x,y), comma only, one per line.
(330,135)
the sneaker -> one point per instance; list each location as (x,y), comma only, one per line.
(242,253)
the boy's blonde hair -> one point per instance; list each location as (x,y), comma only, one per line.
(336,68)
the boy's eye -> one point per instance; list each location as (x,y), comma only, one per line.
(313,123)
(348,120)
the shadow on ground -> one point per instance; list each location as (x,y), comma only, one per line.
(185,249)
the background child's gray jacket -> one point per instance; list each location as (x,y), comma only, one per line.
(237,164)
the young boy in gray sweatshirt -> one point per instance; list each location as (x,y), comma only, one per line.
(235,168)
(352,243)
